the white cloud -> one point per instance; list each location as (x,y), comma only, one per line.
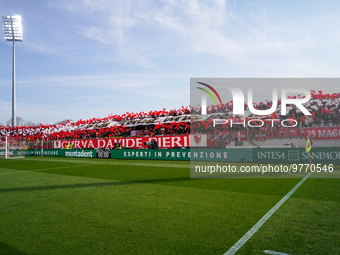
(147,30)
(114,82)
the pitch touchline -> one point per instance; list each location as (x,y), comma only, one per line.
(259,224)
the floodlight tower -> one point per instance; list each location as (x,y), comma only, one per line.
(13,33)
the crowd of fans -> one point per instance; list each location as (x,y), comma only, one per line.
(325,109)
(101,127)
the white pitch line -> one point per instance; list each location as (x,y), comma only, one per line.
(275,252)
(259,224)
(17,172)
(35,171)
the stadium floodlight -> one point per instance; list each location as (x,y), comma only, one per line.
(13,33)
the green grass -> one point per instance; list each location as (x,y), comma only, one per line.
(93,206)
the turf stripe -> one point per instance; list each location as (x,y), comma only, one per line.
(259,224)
(7,249)
(113,162)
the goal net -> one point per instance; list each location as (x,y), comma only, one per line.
(12,148)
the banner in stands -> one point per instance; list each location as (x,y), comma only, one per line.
(239,136)
(260,136)
(154,121)
(159,120)
(220,140)
(164,142)
(289,132)
(322,133)
(198,140)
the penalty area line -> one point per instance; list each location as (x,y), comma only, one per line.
(275,252)
(259,224)
(17,172)
(35,171)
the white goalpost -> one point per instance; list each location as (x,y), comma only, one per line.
(12,148)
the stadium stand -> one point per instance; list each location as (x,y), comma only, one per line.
(325,109)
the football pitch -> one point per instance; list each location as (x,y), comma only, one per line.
(100,206)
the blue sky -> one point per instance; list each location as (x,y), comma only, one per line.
(88,58)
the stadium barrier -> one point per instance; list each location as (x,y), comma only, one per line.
(84,153)
(232,155)
(240,155)
(329,155)
(322,155)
